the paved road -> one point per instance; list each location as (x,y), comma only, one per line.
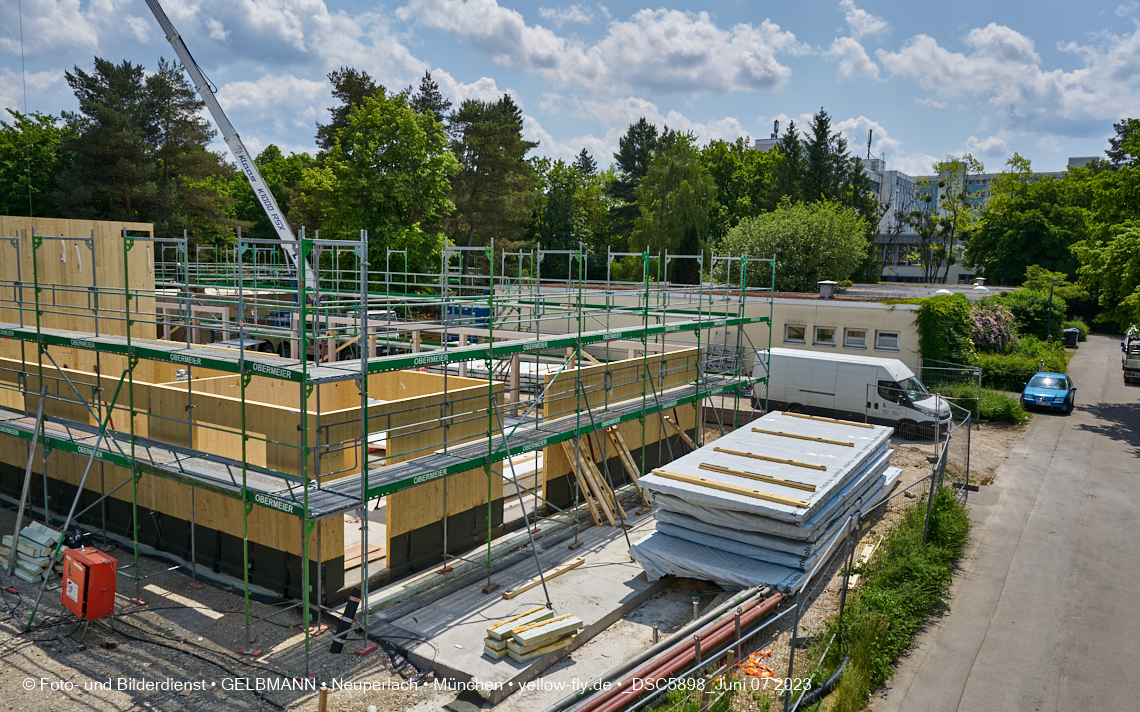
(1046,612)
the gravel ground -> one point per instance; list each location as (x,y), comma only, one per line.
(190,634)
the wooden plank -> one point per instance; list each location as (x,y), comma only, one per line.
(677,429)
(556,571)
(782,461)
(758,477)
(782,434)
(582,484)
(352,557)
(601,492)
(627,459)
(863,558)
(731,489)
(607,491)
(502,629)
(828,420)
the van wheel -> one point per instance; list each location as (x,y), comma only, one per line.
(908,429)
(796,408)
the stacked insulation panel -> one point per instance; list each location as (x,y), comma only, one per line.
(765,504)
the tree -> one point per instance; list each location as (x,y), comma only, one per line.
(676,198)
(1123,148)
(790,171)
(283,175)
(826,162)
(351,87)
(386,172)
(811,242)
(428,98)
(635,152)
(946,214)
(495,187)
(185,196)
(1110,265)
(31,154)
(744,182)
(1028,220)
(112,171)
(585,163)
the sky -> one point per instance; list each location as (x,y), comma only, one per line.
(1045,79)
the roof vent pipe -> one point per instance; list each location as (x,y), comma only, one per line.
(827,289)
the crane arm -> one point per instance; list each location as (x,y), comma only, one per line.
(237,148)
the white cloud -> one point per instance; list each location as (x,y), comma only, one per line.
(1126,9)
(658,50)
(914,164)
(483,89)
(12,89)
(931,102)
(995,146)
(217,30)
(856,132)
(861,22)
(1049,143)
(562,15)
(1004,69)
(620,113)
(274,105)
(853,59)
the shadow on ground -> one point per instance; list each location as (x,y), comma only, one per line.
(1118,421)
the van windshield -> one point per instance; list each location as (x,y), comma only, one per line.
(914,388)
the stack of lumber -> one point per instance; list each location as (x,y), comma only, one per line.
(593,485)
(33,551)
(766,504)
(530,635)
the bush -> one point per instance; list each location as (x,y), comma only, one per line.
(1052,353)
(903,584)
(1030,310)
(1079,325)
(995,407)
(944,329)
(1008,372)
(992,326)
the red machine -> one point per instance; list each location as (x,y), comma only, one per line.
(89,582)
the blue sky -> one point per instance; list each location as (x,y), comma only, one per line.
(1045,79)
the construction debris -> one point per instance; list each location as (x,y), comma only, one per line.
(713,523)
(33,551)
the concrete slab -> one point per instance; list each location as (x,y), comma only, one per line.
(600,592)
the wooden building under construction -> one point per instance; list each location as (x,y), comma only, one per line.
(209,406)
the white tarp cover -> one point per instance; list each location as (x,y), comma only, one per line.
(842,463)
(852,495)
(661,554)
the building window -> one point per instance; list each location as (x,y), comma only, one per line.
(795,334)
(887,340)
(855,338)
(825,335)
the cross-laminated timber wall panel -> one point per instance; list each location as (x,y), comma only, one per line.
(71,304)
(610,383)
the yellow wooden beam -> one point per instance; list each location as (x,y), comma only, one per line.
(782,434)
(732,489)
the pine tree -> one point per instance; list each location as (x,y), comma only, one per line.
(789,172)
(635,153)
(351,87)
(586,164)
(428,99)
(495,187)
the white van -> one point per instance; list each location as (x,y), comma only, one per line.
(882,390)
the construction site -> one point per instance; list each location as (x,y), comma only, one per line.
(348,438)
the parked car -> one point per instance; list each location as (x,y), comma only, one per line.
(1054,391)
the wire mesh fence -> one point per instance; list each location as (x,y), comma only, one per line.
(773,662)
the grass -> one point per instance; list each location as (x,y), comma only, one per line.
(995,406)
(903,584)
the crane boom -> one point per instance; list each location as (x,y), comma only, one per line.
(237,148)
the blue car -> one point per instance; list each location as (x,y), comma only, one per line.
(1053,391)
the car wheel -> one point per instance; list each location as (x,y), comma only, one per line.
(1069,407)
(796,408)
(908,429)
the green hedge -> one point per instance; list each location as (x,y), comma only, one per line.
(1009,371)
(1031,312)
(995,407)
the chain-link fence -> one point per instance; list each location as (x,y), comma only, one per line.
(755,645)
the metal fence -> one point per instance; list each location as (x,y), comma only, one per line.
(709,684)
